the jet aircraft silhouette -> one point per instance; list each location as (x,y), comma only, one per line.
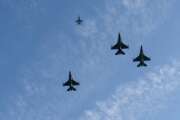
(71,83)
(79,20)
(119,46)
(141,58)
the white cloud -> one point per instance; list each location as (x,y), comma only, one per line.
(138,16)
(145,96)
(135,18)
(133,4)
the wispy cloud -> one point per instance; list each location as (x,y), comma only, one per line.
(134,18)
(139,16)
(145,96)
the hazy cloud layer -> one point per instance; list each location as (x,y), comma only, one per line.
(135,19)
(145,96)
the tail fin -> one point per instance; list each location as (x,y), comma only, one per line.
(71,89)
(142,64)
(119,52)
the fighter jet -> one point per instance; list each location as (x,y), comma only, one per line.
(79,20)
(141,58)
(119,46)
(71,83)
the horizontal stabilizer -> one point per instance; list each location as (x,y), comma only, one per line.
(119,52)
(71,89)
(142,64)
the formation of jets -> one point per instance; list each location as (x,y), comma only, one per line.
(119,46)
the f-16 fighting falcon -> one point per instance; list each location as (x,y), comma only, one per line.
(71,83)
(119,46)
(79,20)
(141,58)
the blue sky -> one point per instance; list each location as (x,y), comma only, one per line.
(40,43)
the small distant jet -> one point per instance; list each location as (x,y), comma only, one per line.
(79,20)
(71,83)
(141,58)
(119,46)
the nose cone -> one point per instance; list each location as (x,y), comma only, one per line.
(79,18)
(119,37)
(119,34)
(69,74)
(141,48)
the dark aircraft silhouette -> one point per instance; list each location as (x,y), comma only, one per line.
(141,58)
(71,83)
(79,21)
(119,46)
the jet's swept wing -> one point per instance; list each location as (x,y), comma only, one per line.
(75,83)
(71,82)
(124,46)
(138,58)
(116,46)
(146,58)
(67,83)
(143,58)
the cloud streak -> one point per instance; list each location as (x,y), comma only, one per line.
(134,18)
(145,96)
(137,17)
